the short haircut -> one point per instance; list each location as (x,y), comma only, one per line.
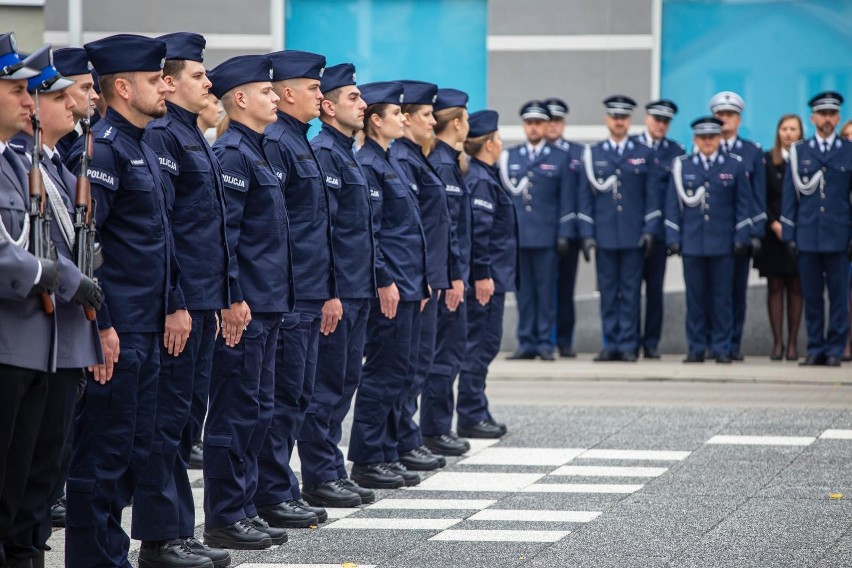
(173,67)
(107,83)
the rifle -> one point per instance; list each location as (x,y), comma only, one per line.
(84,219)
(40,243)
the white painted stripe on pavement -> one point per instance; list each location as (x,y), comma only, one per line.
(307,565)
(438,504)
(613,471)
(501,536)
(523,456)
(341,512)
(479,444)
(581,488)
(532,515)
(456,481)
(661,455)
(373,523)
(762,440)
(836,435)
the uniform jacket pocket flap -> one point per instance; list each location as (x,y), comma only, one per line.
(218,440)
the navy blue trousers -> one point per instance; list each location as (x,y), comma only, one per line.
(338,375)
(536,300)
(386,380)
(709,285)
(742,267)
(619,282)
(484,333)
(241,406)
(112,443)
(818,272)
(409,431)
(163,507)
(295,369)
(653,274)
(437,401)
(566,283)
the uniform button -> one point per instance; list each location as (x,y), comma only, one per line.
(618,208)
(600,180)
(62,289)
(529,174)
(706,184)
(528,208)
(618,172)
(689,192)
(804,179)
(707,217)
(15,284)
(824,169)
(822,196)
(822,209)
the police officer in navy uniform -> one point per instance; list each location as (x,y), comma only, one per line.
(393,324)
(259,278)
(494,271)
(658,116)
(164,512)
(728,106)
(72,63)
(325,482)
(538,176)
(568,249)
(140,278)
(618,215)
(816,219)
(296,80)
(708,237)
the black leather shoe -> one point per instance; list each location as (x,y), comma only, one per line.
(652,353)
(496,424)
(813,361)
(220,558)
(628,356)
(567,352)
(171,554)
(320,512)
(330,494)
(442,461)
(416,460)
(285,516)
(446,444)
(376,476)
(737,356)
(522,356)
(57,513)
(832,361)
(546,356)
(482,430)
(367,496)
(242,535)
(464,442)
(723,358)
(606,356)
(410,477)
(276,535)
(196,456)
(694,358)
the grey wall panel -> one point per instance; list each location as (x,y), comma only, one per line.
(569,17)
(26,22)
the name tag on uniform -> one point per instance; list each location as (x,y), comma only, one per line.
(514,166)
(454,190)
(483,204)
(602,163)
(139,162)
(636,161)
(332,181)
(549,167)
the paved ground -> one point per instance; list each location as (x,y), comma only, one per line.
(648,464)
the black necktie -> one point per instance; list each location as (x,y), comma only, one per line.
(725,146)
(824,146)
(17,167)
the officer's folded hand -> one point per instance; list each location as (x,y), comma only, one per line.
(740,249)
(589,244)
(673,250)
(756,246)
(48,281)
(793,249)
(89,294)
(849,250)
(646,242)
(563,246)
(177,330)
(389,300)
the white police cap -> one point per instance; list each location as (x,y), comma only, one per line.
(727,100)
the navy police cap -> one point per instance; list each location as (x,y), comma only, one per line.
(71,61)
(662,108)
(97,83)
(239,70)
(557,107)
(48,79)
(482,122)
(337,76)
(383,92)
(534,110)
(293,64)
(828,100)
(11,64)
(187,46)
(420,92)
(619,105)
(126,53)
(449,98)
(706,126)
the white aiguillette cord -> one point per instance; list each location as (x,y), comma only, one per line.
(607,184)
(690,201)
(803,188)
(504,176)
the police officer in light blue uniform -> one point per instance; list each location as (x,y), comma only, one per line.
(140,277)
(494,271)
(708,237)
(243,382)
(164,511)
(325,482)
(618,215)
(816,219)
(658,116)
(728,106)
(539,177)
(296,79)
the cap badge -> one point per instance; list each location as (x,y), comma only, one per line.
(322,70)
(270,74)
(13,41)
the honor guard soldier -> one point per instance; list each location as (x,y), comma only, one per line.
(658,116)
(708,237)
(494,271)
(568,249)
(728,107)
(164,512)
(442,257)
(259,277)
(140,278)
(816,219)
(538,176)
(296,80)
(618,215)
(72,63)
(437,400)
(325,482)
(394,320)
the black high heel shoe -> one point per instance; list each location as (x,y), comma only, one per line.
(779,356)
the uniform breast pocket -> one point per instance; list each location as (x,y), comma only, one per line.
(353,204)
(264,207)
(137,187)
(396,207)
(201,197)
